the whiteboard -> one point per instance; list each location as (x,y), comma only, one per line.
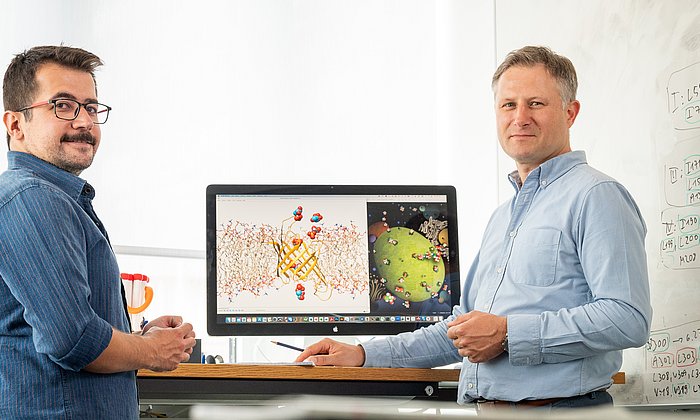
(639,84)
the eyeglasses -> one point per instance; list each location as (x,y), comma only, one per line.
(68,109)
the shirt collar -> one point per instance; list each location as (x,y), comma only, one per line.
(71,184)
(550,170)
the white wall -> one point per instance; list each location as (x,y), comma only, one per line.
(272,91)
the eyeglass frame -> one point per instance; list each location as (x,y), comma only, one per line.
(77,112)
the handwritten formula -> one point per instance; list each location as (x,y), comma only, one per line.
(672,369)
(684,97)
(681,244)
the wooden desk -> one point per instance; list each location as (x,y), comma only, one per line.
(230,381)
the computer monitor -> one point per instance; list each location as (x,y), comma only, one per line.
(329,259)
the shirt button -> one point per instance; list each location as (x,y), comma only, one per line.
(499,270)
(470,385)
(512,234)
(543,183)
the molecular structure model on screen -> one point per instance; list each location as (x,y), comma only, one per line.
(312,259)
(298,257)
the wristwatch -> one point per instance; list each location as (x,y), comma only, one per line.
(504,343)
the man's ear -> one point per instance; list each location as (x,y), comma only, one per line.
(13,125)
(572,112)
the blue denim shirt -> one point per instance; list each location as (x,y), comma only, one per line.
(564,260)
(61,295)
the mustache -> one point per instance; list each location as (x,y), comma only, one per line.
(79,138)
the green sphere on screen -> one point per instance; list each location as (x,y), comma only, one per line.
(411,265)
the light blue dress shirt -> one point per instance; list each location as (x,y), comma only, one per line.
(61,295)
(564,260)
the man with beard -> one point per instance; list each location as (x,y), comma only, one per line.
(67,347)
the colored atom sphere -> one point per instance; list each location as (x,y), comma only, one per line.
(300,291)
(407,276)
(297,213)
(313,232)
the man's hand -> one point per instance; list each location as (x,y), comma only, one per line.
(478,335)
(161,347)
(167,321)
(331,352)
(170,346)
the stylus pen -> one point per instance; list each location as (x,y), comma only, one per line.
(289,346)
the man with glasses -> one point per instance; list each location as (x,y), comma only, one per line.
(66,345)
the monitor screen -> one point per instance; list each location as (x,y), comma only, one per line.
(330,259)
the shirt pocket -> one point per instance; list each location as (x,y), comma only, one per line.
(534,257)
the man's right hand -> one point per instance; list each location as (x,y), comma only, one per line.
(160,348)
(330,352)
(170,346)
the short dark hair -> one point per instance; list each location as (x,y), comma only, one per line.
(558,66)
(19,85)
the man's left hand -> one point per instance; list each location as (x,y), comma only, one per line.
(478,335)
(167,321)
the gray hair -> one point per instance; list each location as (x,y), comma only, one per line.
(556,65)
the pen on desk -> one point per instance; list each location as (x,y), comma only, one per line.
(289,346)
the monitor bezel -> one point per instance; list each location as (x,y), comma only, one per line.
(215,328)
